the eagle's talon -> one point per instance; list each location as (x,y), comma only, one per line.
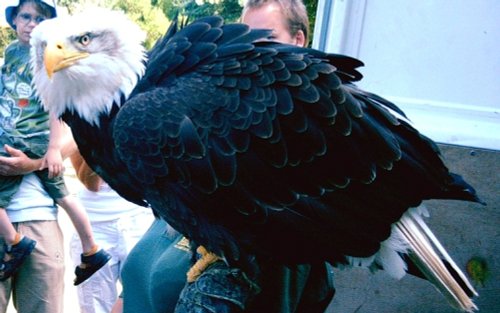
(207,258)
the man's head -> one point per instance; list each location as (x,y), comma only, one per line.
(24,16)
(287,18)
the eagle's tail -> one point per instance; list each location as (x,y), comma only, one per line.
(427,253)
(413,248)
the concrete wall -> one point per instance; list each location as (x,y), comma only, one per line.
(437,61)
(466,230)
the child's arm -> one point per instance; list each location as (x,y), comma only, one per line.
(53,158)
(68,144)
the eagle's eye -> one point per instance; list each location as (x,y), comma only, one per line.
(84,40)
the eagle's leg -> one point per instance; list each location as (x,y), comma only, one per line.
(201,264)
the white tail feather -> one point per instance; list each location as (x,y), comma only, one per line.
(388,257)
(423,245)
(413,237)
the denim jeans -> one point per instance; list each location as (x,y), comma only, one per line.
(218,290)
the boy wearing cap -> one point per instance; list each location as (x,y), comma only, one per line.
(25,126)
(38,285)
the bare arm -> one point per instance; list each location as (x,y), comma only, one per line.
(118,307)
(68,144)
(86,175)
(53,159)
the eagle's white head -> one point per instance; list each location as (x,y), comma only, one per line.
(85,62)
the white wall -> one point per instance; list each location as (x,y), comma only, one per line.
(438,60)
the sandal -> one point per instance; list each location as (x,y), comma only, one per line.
(90,264)
(17,255)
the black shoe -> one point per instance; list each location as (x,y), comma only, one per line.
(90,264)
(17,255)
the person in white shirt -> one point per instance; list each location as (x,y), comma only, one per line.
(117,226)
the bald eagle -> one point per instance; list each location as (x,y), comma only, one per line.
(250,148)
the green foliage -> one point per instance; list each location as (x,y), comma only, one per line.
(312,7)
(229,9)
(7,35)
(77,5)
(150,18)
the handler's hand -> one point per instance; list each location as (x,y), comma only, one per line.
(18,163)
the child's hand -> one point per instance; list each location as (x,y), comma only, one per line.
(54,162)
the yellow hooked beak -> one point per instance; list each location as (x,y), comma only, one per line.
(58,57)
